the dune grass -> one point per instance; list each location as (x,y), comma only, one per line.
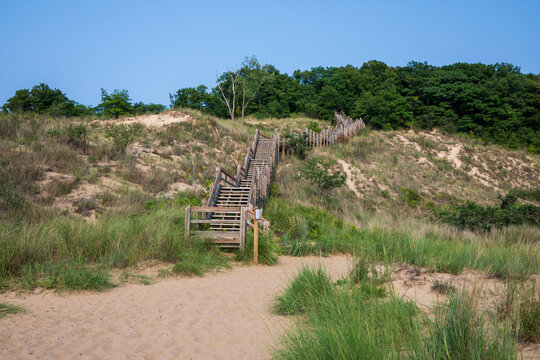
(70,253)
(62,276)
(344,320)
(7,309)
(307,288)
(461,331)
(202,258)
(310,230)
(268,249)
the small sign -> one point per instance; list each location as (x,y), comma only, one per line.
(258,214)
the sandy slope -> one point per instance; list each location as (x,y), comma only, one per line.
(220,316)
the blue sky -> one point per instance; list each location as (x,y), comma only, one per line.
(153,48)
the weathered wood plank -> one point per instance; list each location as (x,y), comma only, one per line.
(187,221)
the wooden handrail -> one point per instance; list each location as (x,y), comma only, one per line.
(214,209)
(258,191)
(229,175)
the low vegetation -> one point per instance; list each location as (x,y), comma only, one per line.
(476,217)
(71,253)
(308,230)
(357,320)
(268,249)
(7,309)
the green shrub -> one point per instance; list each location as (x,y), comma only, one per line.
(484,218)
(296,144)
(316,171)
(10,199)
(85,205)
(531,195)
(77,136)
(314,126)
(410,196)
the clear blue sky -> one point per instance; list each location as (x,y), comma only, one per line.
(153,48)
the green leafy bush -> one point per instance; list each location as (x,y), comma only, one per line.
(77,136)
(476,217)
(410,196)
(316,171)
(296,144)
(314,126)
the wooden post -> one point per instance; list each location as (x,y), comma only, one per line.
(243,211)
(256,241)
(256,215)
(187,221)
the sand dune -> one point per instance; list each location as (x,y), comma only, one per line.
(220,316)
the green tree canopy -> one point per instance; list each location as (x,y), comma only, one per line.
(42,99)
(496,103)
(115,104)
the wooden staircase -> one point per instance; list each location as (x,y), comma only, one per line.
(232,198)
(229,209)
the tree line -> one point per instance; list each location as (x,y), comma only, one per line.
(42,99)
(496,103)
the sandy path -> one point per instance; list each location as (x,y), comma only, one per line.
(220,316)
(349,176)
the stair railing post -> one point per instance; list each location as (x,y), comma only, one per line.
(255,240)
(238,167)
(187,221)
(243,212)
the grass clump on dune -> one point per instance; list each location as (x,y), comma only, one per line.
(268,249)
(203,257)
(529,319)
(461,330)
(7,309)
(346,320)
(307,288)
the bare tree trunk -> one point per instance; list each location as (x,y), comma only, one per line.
(247,100)
(231,104)
(244,104)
